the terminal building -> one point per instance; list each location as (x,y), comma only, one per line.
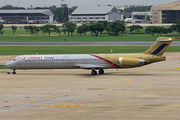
(89,14)
(166,13)
(36,16)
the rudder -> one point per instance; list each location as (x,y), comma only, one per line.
(160,46)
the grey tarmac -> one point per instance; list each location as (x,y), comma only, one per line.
(175,43)
(145,93)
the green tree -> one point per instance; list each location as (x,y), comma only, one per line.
(36,30)
(176,26)
(170,29)
(105,25)
(160,30)
(26,28)
(138,28)
(61,14)
(117,26)
(64,30)
(11,7)
(135,28)
(132,28)
(166,30)
(97,27)
(85,28)
(14,28)
(139,16)
(70,27)
(151,29)
(1,29)
(108,28)
(49,28)
(72,9)
(31,28)
(80,30)
(137,9)
(59,31)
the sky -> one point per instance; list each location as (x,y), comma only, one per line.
(84,3)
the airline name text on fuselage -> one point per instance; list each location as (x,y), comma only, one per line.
(38,58)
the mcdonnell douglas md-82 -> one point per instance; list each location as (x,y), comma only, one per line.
(92,61)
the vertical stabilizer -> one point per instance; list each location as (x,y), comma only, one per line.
(160,46)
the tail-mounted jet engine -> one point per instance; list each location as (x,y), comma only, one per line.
(131,61)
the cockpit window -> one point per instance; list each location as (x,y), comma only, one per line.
(14,59)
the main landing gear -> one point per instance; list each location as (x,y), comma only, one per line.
(101,71)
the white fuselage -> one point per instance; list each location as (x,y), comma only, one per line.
(129,20)
(75,61)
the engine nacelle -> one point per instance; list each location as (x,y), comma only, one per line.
(131,61)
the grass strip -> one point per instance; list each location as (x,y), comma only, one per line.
(3,67)
(32,50)
(23,36)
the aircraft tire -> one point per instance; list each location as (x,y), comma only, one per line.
(93,72)
(101,71)
(14,71)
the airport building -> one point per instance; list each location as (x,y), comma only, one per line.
(37,16)
(89,14)
(166,13)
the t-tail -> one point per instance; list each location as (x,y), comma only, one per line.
(160,46)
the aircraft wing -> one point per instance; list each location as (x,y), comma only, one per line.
(89,66)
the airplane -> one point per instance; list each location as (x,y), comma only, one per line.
(129,20)
(92,61)
(30,22)
(2,21)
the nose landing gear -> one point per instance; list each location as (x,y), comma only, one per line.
(14,71)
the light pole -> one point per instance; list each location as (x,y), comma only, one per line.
(146,11)
(62,11)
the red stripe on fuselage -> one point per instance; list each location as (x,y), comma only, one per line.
(116,66)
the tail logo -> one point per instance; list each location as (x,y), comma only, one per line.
(159,49)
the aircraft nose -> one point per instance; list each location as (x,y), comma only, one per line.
(8,65)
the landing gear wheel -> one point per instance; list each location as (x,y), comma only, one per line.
(14,71)
(101,71)
(93,72)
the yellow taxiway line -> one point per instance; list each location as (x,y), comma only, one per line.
(175,68)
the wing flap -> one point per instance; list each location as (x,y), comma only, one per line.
(89,66)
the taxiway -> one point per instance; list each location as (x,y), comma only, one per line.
(146,93)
